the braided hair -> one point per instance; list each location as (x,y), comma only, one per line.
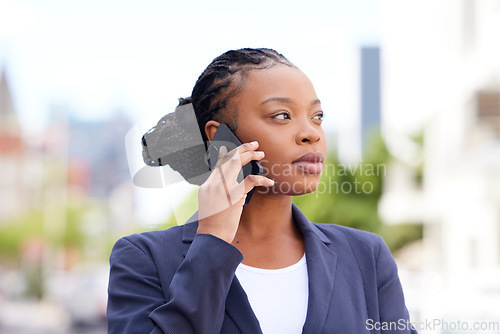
(222,80)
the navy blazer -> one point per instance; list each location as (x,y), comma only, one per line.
(178,282)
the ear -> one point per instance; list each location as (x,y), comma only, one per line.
(210,129)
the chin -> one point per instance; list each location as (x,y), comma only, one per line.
(291,187)
(308,188)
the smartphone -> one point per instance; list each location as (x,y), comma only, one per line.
(225,137)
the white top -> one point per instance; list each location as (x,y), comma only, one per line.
(278,297)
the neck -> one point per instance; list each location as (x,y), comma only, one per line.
(267,215)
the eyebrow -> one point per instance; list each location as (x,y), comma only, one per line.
(286,100)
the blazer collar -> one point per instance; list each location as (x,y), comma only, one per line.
(321,268)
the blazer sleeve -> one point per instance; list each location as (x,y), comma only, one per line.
(392,306)
(196,297)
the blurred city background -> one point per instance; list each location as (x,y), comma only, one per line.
(412,87)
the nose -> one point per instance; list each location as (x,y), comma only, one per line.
(308,132)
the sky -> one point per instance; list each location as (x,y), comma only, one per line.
(97,57)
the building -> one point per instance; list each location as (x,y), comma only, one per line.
(370,92)
(12,155)
(441,73)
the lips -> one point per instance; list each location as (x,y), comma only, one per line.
(310,163)
(310,157)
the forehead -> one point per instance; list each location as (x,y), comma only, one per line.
(278,81)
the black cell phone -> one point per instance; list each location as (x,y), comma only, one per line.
(225,137)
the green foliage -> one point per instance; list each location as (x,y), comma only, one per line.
(418,139)
(396,236)
(73,234)
(15,231)
(37,224)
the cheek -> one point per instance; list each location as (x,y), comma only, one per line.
(274,163)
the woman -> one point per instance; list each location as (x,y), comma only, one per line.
(260,268)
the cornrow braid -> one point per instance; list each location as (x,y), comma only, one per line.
(223,79)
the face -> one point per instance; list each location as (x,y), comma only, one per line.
(279,108)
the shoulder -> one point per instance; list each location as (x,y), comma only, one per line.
(358,241)
(368,250)
(152,237)
(152,242)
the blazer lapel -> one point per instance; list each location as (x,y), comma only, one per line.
(239,309)
(321,267)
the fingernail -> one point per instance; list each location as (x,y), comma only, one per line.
(254,143)
(271,181)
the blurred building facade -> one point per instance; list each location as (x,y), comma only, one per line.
(442,59)
(370,91)
(98,168)
(66,194)
(12,154)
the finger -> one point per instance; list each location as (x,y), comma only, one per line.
(231,165)
(252,146)
(253,181)
(220,157)
(224,184)
(231,168)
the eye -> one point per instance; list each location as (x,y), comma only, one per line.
(284,114)
(321,116)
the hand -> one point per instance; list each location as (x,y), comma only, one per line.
(221,197)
